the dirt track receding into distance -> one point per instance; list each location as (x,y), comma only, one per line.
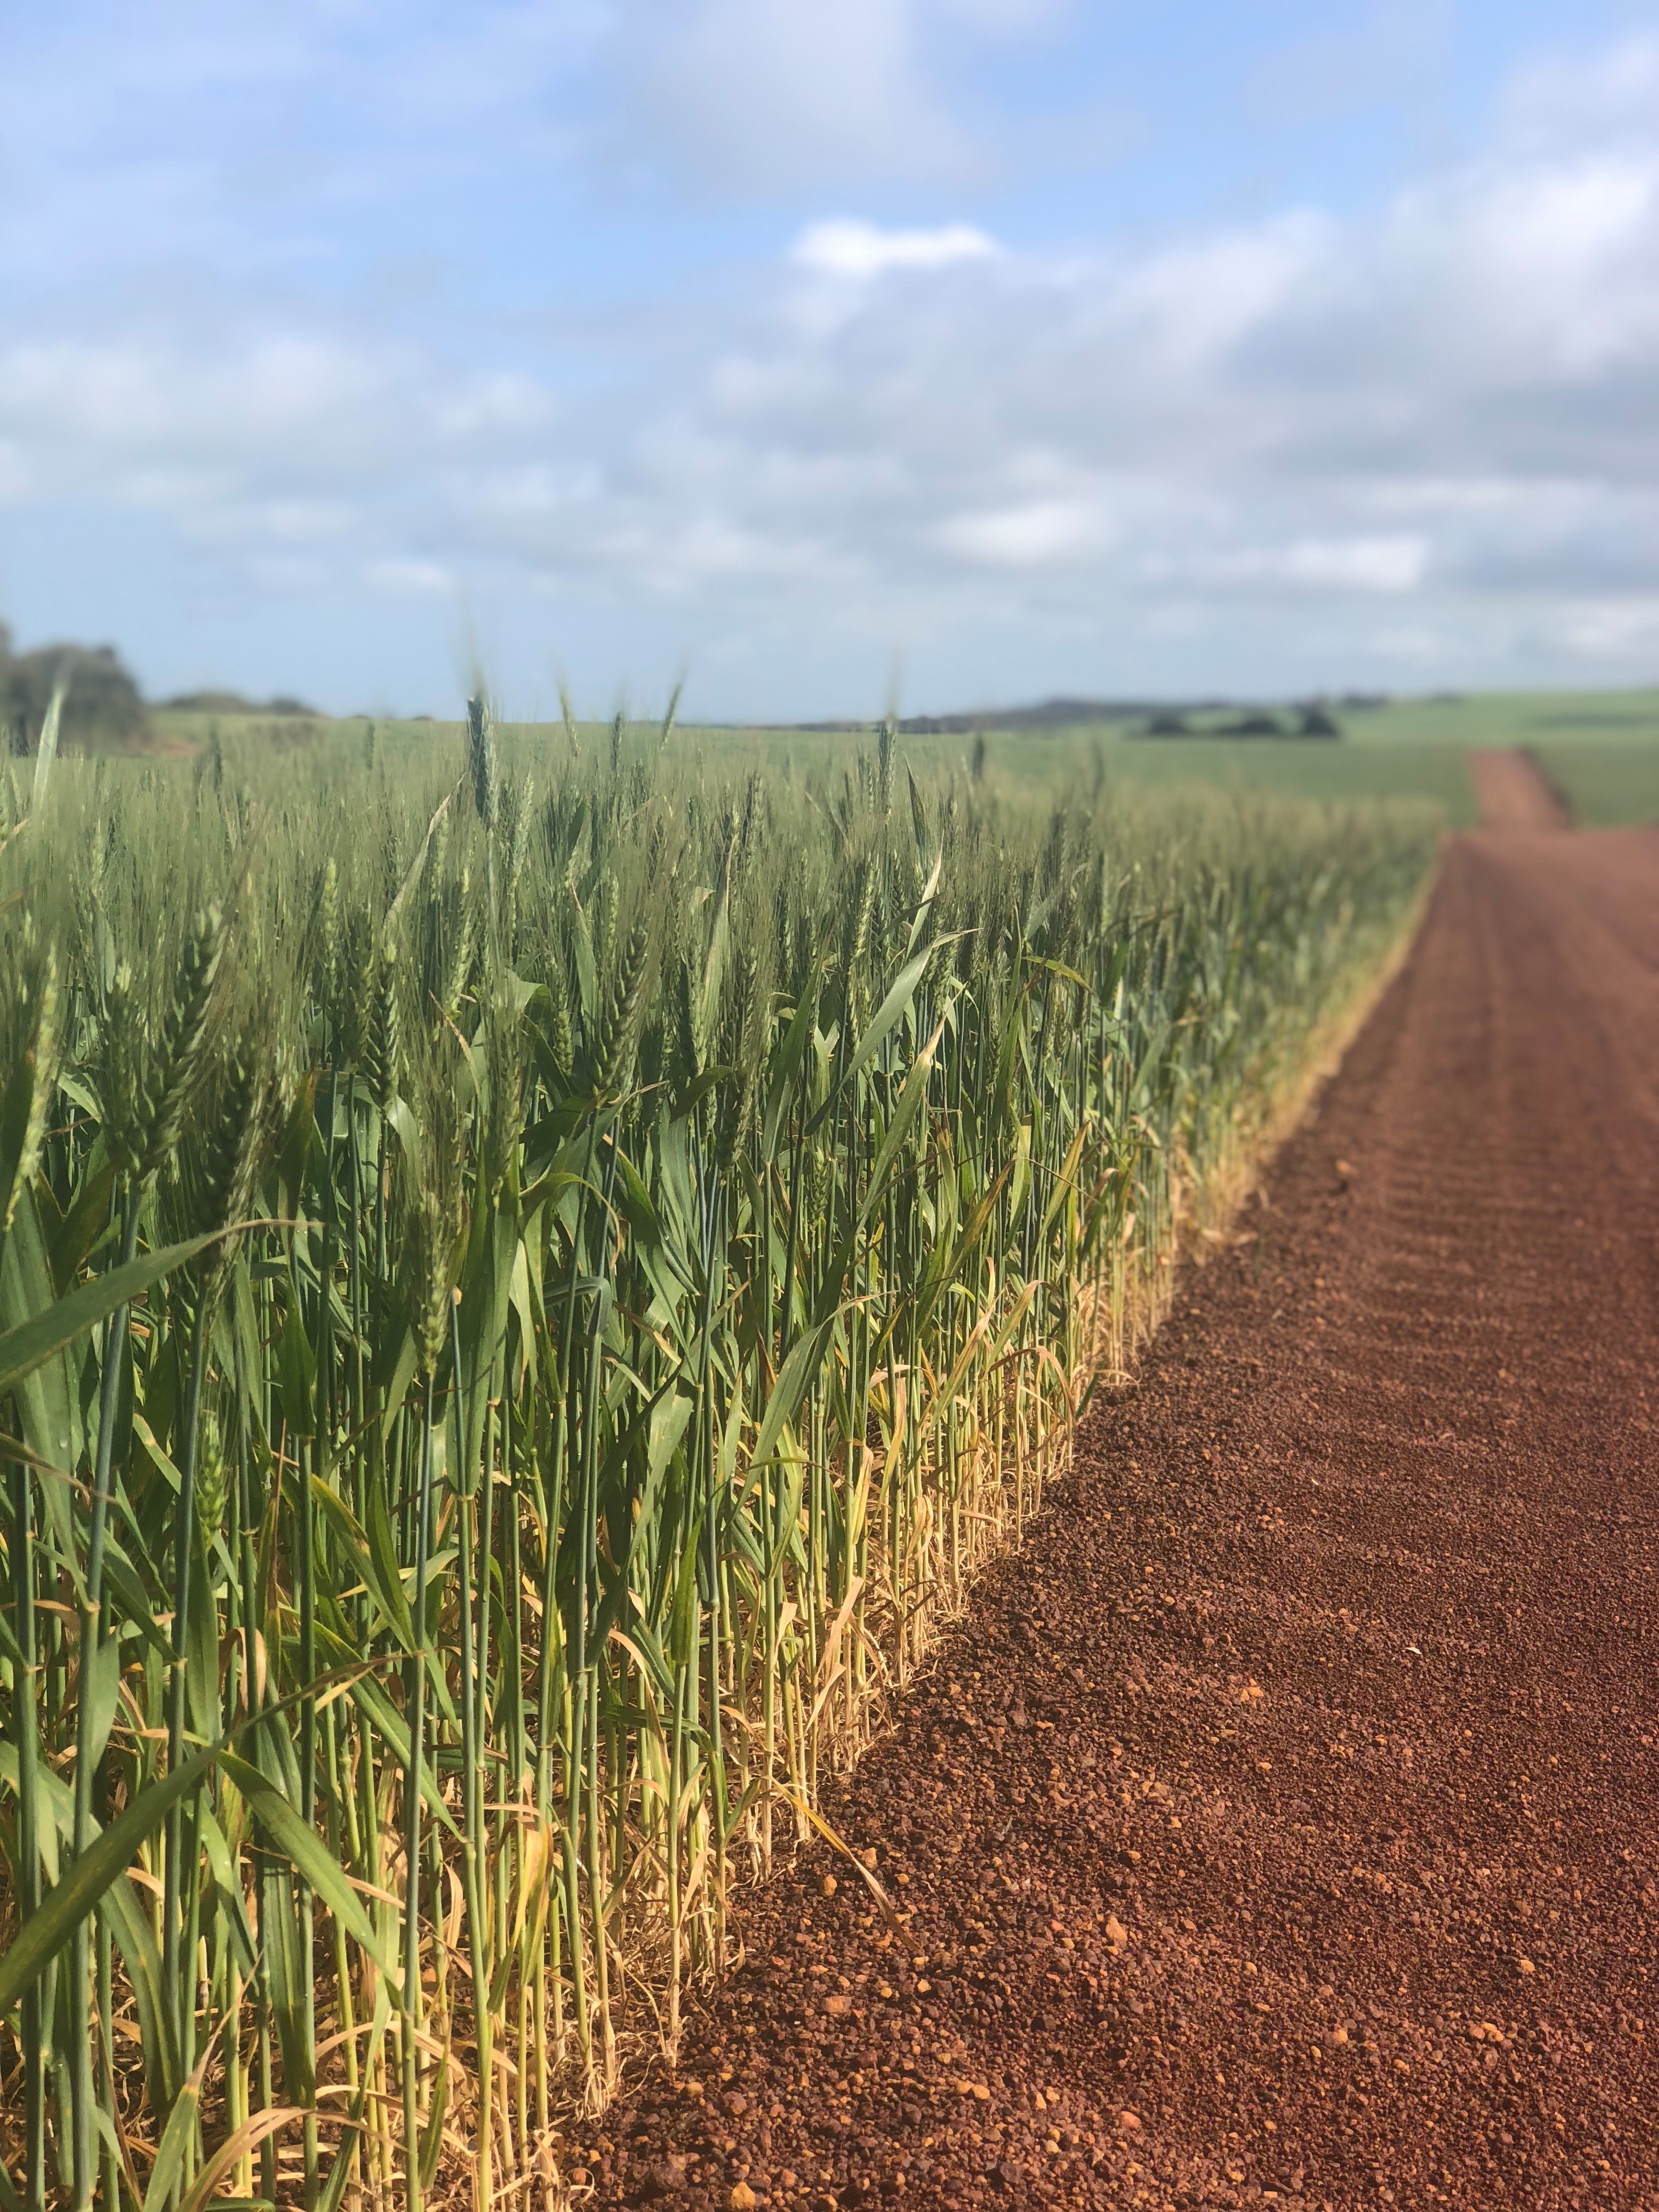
(1515,794)
(1279,1826)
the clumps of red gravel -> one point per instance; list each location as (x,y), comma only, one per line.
(1278,1828)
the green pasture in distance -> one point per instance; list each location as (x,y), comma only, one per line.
(185,729)
(1602,747)
(1607,785)
(1334,772)
(1289,767)
(1329,770)
(1400,748)
(1479,719)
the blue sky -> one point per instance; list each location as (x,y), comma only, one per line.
(1050,346)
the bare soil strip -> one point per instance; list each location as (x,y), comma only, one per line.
(1515,794)
(1279,1825)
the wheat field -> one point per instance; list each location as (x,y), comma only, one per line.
(534,1269)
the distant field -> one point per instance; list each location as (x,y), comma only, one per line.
(1289,767)
(1607,785)
(1514,718)
(1601,747)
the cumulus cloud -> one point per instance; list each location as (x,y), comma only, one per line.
(1433,423)
(210,412)
(1388,564)
(411,578)
(1599,97)
(863,249)
(1034,535)
(777,94)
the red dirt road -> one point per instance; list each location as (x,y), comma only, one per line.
(1279,1825)
(1515,794)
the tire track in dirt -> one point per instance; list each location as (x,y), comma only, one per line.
(1279,1825)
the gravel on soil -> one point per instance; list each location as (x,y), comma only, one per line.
(1279,1825)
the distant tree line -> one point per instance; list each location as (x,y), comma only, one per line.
(1313,720)
(282,704)
(1150,718)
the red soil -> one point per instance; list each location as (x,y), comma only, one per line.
(1283,1815)
(1515,794)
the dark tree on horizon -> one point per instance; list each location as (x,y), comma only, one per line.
(103,704)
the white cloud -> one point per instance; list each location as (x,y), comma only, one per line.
(779,92)
(1318,564)
(1435,421)
(108,394)
(1035,535)
(1191,302)
(847,248)
(168,134)
(1618,629)
(774,95)
(1602,97)
(411,578)
(505,403)
(291,521)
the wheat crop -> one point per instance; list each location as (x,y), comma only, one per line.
(534,1271)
